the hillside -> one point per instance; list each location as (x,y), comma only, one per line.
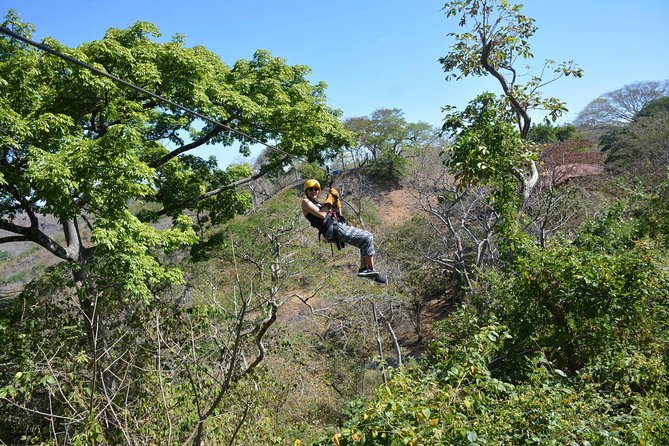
(328,344)
(21,262)
(527,296)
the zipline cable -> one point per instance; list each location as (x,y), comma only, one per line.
(71,59)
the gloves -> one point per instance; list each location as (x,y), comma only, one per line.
(333,199)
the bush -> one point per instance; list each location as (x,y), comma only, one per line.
(654,213)
(575,299)
(454,399)
(313,170)
(546,133)
(389,168)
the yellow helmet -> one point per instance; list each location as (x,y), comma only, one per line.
(311,183)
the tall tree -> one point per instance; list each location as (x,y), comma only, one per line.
(619,107)
(81,148)
(496,42)
(389,138)
(385,130)
(641,147)
(87,153)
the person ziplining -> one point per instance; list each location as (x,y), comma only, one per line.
(327,218)
(324,216)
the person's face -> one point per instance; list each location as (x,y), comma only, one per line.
(312,192)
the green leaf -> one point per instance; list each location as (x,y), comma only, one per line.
(561,373)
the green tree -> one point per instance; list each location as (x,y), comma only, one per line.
(80,148)
(641,148)
(572,350)
(455,398)
(389,138)
(498,38)
(488,152)
(655,212)
(114,169)
(566,133)
(384,131)
(542,133)
(176,370)
(547,133)
(654,108)
(576,298)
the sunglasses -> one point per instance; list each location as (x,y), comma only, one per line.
(311,189)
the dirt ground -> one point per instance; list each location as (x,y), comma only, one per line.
(396,207)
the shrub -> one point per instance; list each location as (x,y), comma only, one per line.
(313,170)
(389,168)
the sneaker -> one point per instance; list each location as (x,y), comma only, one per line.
(365,272)
(379,279)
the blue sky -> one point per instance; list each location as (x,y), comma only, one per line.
(384,54)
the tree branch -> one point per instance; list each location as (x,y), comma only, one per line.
(186,203)
(14,238)
(524,118)
(195,144)
(32,234)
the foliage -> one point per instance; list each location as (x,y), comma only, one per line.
(454,399)
(566,133)
(81,148)
(313,170)
(498,38)
(385,131)
(574,299)
(620,107)
(568,347)
(654,213)
(486,148)
(562,342)
(488,151)
(182,365)
(85,151)
(654,108)
(388,137)
(547,133)
(388,168)
(180,182)
(609,141)
(640,148)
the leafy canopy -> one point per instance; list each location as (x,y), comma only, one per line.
(82,149)
(498,38)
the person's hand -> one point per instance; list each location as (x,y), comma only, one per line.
(333,199)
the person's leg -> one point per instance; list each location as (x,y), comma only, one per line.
(368,262)
(371,272)
(363,240)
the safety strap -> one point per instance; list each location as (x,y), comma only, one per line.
(334,215)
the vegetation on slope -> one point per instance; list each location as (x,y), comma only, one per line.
(522,308)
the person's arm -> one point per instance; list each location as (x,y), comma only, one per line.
(310,208)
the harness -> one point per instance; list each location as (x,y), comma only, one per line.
(331,220)
(336,217)
(335,214)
